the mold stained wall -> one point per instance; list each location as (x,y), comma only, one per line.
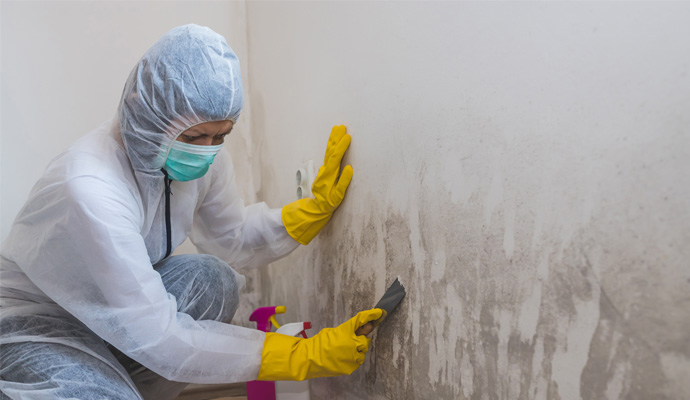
(523,168)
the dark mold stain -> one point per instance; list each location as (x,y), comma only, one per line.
(615,344)
(343,267)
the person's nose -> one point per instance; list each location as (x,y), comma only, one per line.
(206,141)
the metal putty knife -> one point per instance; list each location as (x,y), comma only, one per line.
(388,302)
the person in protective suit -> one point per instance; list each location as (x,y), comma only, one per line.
(93,305)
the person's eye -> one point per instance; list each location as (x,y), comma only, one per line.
(189,138)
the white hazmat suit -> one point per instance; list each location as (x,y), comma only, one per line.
(85,242)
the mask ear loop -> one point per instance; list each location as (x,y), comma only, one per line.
(163,155)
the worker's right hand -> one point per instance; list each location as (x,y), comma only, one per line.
(331,352)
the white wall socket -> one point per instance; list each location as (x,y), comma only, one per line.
(305,177)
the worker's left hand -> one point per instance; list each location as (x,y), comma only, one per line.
(304,218)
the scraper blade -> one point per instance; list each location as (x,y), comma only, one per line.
(388,302)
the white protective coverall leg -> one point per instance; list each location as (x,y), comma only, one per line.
(205,287)
(77,267)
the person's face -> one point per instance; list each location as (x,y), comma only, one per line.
(207,134)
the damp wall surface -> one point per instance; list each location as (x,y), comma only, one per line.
(524,168)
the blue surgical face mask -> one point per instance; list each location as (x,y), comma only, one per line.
(187,162)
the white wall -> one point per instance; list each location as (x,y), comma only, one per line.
(523,167)
(64,66)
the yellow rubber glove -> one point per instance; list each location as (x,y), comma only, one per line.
(304,218)
(331,352)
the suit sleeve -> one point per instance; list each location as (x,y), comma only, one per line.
(243,236)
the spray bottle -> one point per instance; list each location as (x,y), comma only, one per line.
(266,390)
(293,390)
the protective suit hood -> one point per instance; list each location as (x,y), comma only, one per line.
(188,77)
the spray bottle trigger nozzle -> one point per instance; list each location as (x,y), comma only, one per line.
(272,319)
(305,325)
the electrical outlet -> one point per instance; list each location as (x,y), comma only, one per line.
(305,178)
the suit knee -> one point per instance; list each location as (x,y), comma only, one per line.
(212,290)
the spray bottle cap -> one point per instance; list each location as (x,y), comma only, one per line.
(265,317)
